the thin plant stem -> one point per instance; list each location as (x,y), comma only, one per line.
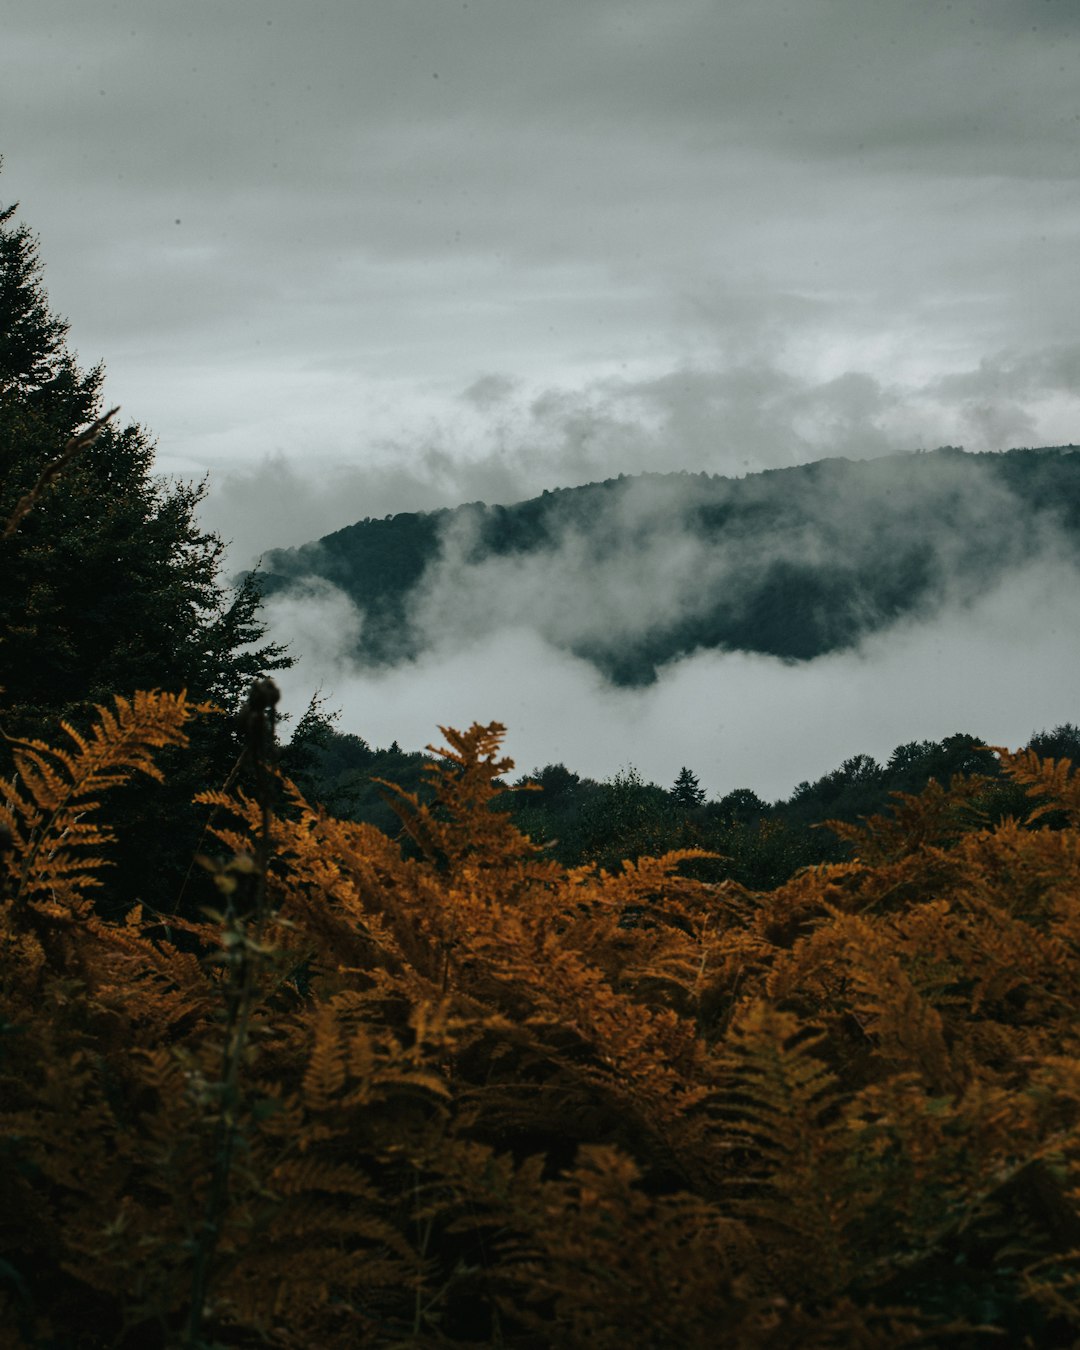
(257,719)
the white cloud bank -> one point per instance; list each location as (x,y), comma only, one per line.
(999,668)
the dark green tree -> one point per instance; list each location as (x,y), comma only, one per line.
(741,805)
(108,583)
(625,818)
(1063,742)
(687,791)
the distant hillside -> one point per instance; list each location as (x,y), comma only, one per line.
(637,571)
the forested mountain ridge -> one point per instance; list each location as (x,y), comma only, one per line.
(634,572)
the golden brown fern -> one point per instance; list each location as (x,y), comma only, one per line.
(485,1099)
(53,846)
(1053,783)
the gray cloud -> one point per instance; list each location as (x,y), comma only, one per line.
(489,391)
(1015,375)
(878,187)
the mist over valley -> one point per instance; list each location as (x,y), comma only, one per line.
(759,629)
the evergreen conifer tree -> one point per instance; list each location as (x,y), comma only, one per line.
(108,583)
(686,790)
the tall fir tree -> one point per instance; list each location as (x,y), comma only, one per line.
(686,790)
(108,583)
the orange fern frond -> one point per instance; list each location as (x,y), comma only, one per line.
(55,788)
(1053,783)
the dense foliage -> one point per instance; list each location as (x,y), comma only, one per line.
(470,1096)
(757,843)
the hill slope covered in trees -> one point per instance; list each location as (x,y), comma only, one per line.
(635,572)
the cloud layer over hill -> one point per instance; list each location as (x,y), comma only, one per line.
(684,561)
(989,647)
(417,254)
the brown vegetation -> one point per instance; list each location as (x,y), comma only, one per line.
(456,1093)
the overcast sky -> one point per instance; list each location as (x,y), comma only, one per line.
(360,256)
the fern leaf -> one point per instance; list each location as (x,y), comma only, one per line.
(784,1108)
(1053,783)
(325,1074)
(56,787)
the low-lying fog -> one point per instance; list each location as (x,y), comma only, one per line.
(1000,668)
